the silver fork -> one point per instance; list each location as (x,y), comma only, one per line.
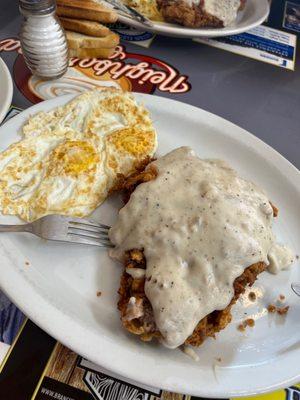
(130,12)
(65,229)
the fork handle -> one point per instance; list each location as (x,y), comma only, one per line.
(16,228)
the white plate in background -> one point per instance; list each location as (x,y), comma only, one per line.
(254,14)
(6,89)
(58,289)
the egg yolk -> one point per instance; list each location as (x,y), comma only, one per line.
(133,141)
(72,158)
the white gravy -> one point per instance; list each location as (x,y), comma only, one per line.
(200,226)
(190,353)
(225,10)
(136,273)
(280,258)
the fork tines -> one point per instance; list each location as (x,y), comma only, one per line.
(84,231)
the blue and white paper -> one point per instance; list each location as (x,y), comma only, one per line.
(262,43)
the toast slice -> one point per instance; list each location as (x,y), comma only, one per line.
(90,28)
(81,4)
(87,9)
(91,53)
(80,41)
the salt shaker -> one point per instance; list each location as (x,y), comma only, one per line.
(43,40)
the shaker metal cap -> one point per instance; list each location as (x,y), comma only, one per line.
(37,6)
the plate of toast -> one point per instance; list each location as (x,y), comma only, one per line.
(86,24)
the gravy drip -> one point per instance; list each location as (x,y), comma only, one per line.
(200,226)
(225,10)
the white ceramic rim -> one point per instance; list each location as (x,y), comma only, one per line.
(55,322)
(9,85)
(168,29)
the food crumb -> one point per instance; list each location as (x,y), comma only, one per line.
(271,308)
(282,297)
(219,359)
(283,311)
(27,263)
(279,310)
(252,296)
(98,294)
(248,322)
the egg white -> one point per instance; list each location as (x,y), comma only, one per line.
(69,158)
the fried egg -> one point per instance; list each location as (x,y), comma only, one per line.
(70,158)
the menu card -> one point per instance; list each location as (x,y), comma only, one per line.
(274,42)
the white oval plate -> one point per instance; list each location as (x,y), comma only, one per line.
(255,13)
(6,89)
(58,289)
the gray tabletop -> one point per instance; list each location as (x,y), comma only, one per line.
(263,99)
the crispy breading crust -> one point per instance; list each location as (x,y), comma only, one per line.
(190,15)
(145,326)
(182,13)
(128,184)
